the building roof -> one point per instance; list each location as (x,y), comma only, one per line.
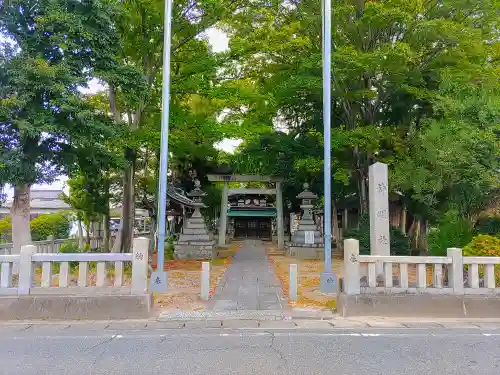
(43,200)
(243,178)
(251,191)
(269,212)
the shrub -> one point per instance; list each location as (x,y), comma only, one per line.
(488,225)
(43,226)
(483,246)
(451,231)
(71,247)
(6,230)
(400,243)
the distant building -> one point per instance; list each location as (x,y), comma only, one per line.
(42,202)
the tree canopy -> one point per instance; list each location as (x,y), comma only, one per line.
(414,85)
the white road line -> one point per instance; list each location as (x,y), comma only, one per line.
(240,334)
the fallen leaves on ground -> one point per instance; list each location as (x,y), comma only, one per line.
(184,282)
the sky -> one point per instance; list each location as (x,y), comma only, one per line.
(219,43)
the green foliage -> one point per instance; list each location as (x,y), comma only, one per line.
(452,231)
(46,123)
(488,225)
(71,247)
(400,244)
(415,85)
(43,226)
(6,230)
(483,246)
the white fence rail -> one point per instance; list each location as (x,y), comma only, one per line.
(453,274)
(45,247)
(50,246)
(73,274)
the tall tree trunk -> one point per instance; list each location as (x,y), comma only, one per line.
(105,217)
(81,240)
(336,229)
(152,235)
(106,234)
(125,233)
(362,187)
(87,228)
(403,219)
(417,233)
(20,214)
(363,195)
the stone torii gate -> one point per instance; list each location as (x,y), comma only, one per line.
(277,192)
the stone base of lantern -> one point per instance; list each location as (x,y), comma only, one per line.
(307,251)
(196,242)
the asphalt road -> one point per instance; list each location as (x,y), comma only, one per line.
(91,350)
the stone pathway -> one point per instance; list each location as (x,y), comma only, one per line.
(249,283)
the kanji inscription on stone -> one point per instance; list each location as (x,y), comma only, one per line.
(309,237)
(159,282)
(379,211)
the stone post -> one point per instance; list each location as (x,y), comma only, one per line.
(140,266)
(51,248)
(379,212)
(223,215)
(293,274)
(205,281)
(351,267)
(456,270)
(279,216)
(26,269)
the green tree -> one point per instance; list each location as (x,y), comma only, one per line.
(415,85)
(43,226)
(50,49)
(194,104)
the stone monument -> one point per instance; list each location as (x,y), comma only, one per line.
(307,242)
(195,242)
(379,212)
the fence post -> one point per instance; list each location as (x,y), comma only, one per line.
(26,269)
(52,245)
(294,289)
(456,271)
(205,281)
(351,267)
(140,266)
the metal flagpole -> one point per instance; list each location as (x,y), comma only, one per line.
(159,279)
(328,282)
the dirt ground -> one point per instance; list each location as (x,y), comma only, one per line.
(309,295)
(309,272)
(184,282)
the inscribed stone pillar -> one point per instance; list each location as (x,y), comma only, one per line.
(279,217)
(379,211)
(223,215)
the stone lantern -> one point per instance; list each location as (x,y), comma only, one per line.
(195,242)
(307,242)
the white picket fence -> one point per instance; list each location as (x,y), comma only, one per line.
(45,247)
(51,246)
(105,281)
(447,273)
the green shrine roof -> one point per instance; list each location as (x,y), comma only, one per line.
(266,212)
